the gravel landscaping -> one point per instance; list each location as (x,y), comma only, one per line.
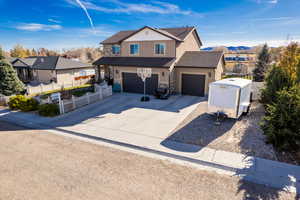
(241,136)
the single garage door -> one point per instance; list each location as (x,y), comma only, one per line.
(193,84)
(134,84)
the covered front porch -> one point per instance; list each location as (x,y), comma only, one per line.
(25,74)
(121,72)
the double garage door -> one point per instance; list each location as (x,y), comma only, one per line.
(134,84)
(193,84)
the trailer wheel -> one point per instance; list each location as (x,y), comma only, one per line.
(248,110)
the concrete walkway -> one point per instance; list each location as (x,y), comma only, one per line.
(275,174)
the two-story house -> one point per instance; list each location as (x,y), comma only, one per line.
(173,54)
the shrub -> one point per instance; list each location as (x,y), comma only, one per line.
(276,80)
(48,110)
(262,64)
(20,102)
(79,93)
(16,101)
(281,125)
(29,104)
(10,84)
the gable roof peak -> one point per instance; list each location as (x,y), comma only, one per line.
(175,33)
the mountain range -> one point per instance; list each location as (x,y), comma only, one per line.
(230,48)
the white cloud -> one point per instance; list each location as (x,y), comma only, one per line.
(86,12)
(54,21)
(97,31)
(37,27)
(266,1)
(121,7)
(272,19)
(273,1)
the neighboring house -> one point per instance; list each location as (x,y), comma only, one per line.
(241,63)
(173,54)
(53,69)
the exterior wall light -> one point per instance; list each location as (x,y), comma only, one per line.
(209,74)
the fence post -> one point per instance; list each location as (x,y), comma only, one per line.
(73,102)
(88,98)
(100,93)
(41,86)
(62,106)
(28,89)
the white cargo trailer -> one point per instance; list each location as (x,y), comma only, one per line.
(230,96)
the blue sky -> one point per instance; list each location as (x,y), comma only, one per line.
(58,24)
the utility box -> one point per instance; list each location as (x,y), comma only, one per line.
(230,96)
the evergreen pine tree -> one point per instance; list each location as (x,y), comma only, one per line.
(262,64)
(2,56)
(9,82)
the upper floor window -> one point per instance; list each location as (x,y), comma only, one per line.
(116,50)
(134,49)
(159,49)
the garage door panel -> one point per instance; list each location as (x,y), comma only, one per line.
(193,84)
(134,84)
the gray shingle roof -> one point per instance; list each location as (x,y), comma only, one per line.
(49,63)
(11,59)
(136,61)
(23,62)
(201,59)
(179,32)
(118,37)
(175,33)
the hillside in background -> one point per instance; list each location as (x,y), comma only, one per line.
(231,48)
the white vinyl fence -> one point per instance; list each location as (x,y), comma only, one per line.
(48,87)
(88,98)
(4,100)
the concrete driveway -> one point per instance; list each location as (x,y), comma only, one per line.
(123,122)
(126,114)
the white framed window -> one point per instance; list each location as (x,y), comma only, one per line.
(134,49)
(159,48)
(116,49)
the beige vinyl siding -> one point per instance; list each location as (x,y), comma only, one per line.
(68,76)
(147,48)
(209,76)
(65,76)
(219,70)
(163,74)
(44,76)
(107,50)
(189,44)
